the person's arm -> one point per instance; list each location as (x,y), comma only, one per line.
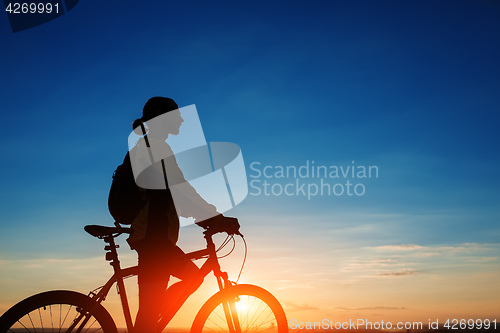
(188,202)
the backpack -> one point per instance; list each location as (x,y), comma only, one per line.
(125,199)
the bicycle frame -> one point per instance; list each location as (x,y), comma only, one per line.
(210,265)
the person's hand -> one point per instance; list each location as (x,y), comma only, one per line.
(230,225)
(220,223)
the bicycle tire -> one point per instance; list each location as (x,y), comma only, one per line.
(259,311)
(55,311)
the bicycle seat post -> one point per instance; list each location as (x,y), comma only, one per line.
(111,254)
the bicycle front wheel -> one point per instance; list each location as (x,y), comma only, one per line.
(57,311)
(241,309)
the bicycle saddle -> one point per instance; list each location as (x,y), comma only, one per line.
(101,231)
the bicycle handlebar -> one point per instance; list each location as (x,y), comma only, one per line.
(230,225)
(212,231)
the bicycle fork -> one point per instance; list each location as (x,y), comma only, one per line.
(229,306)
(233,321)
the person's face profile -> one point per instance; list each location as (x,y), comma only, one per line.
(166,124)
(176,121)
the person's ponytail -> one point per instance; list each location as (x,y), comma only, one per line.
(138,127)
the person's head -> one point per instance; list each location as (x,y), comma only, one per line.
(155,107)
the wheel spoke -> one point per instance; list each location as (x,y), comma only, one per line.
(41,320)
(38,314)
(66,316)
(88,328)
(224,330)
(60,316)
(256,313)
(221,319)
(255,309)
(51,319)
(23,326)
(34,329)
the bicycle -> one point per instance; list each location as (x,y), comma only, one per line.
(235,308)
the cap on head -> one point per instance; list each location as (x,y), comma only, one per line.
(156,106)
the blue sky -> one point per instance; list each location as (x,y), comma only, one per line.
(409,86)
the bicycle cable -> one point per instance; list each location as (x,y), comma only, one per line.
(244,259)
(231,251)
(224,243)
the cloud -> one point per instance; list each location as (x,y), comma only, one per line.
(292,307)
(482,259)
(357,265)
(425,254)
(412,259)
(372,308)
(291,284)
(400,273)
(403,247)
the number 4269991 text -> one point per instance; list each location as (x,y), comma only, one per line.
(32,8)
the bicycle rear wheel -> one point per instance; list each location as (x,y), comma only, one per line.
(57,311)
(241,309)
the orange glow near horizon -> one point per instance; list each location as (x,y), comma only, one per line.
(313,281)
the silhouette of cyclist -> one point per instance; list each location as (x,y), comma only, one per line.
(156,227)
